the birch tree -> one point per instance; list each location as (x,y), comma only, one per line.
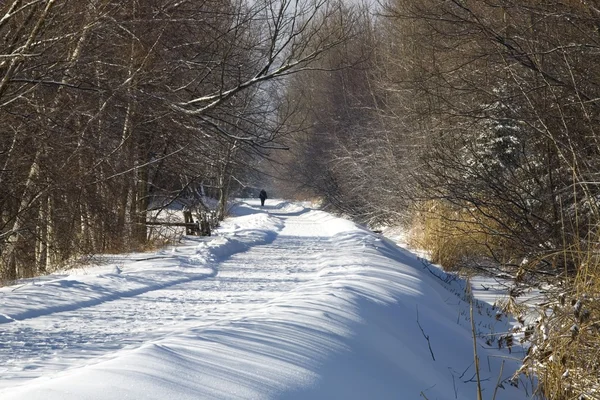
(109,108)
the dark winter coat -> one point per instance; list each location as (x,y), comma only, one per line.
(263,194)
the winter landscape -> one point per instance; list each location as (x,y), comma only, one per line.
(430,173)
(286,302)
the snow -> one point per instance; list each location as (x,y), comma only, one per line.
(286,302)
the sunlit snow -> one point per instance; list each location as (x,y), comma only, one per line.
(286,302)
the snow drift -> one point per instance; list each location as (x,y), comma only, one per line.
(321,309)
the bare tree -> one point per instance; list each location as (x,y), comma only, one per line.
(110,108)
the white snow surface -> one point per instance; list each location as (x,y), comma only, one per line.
(286,302)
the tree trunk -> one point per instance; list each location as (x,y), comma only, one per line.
(13,268)
(224,182)
(141,204)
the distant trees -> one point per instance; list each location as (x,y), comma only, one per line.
(347,152)
(109,108)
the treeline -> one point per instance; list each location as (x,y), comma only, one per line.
(475,124)
(109,108)
(483,115)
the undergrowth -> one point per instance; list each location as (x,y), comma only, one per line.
(565,351)
(452,236)
(562,329)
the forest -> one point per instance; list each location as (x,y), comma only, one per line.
(472,124)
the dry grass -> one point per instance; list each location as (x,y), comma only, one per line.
(452,236)
(565,344)
(565,352)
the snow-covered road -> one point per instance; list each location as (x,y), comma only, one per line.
(287,302)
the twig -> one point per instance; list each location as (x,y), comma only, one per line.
(465,371)
(499,380)
(479,395)
(423,394)
(424,335)
(454,385)
(475,380)
(426,264)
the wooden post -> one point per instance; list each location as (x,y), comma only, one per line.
(187,217)
(205,226)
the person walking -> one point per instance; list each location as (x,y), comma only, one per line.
(263,197)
